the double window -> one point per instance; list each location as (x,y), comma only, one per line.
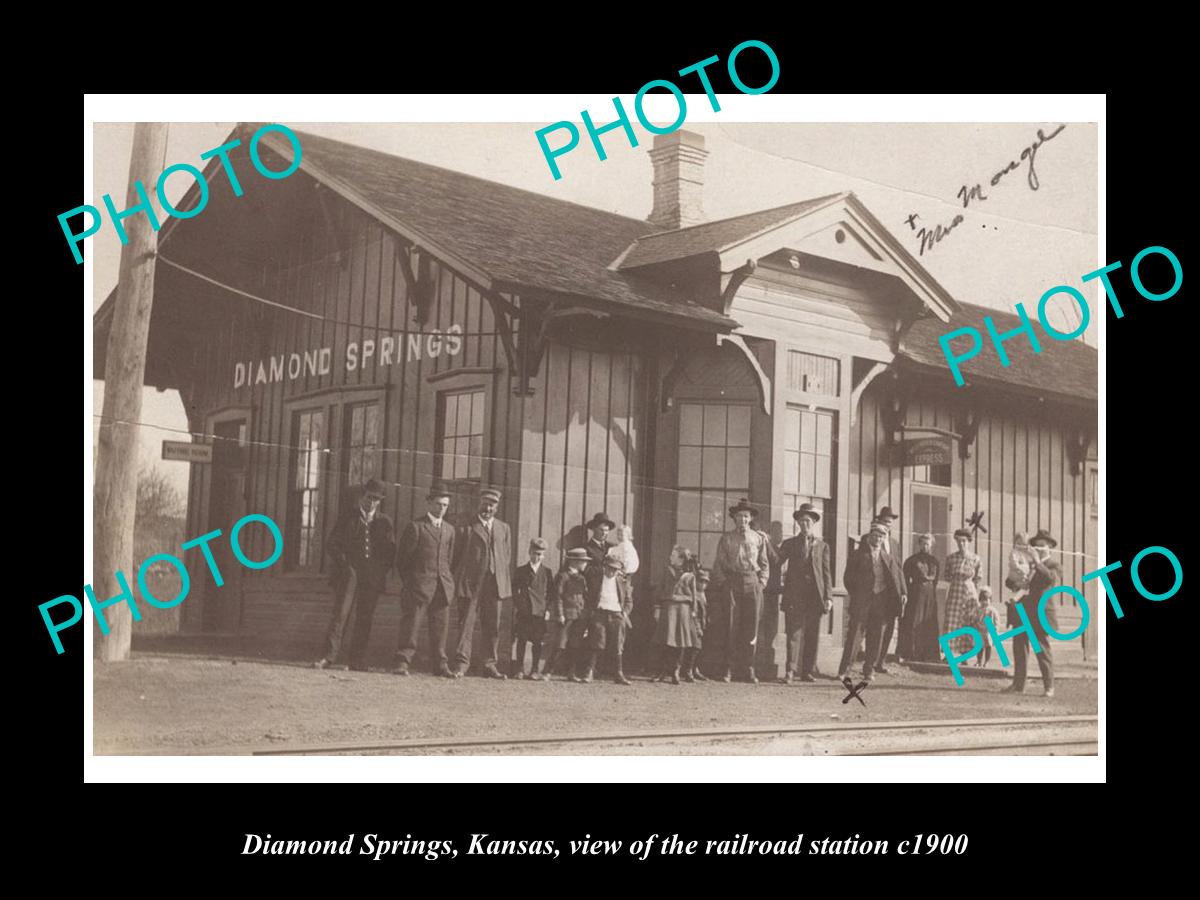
(714,472)
(311,496)
(808,460)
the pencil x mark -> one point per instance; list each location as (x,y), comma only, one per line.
(855,691)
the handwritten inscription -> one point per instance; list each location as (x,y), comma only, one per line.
(928,238)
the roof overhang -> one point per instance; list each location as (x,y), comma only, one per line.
(861,240)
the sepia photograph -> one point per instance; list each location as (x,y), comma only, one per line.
(437,454)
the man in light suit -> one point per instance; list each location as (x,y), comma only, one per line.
(874,581)
(425,563)
(483,581)
(807,593)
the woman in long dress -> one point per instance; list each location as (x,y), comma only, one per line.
(919,627)
(964,572)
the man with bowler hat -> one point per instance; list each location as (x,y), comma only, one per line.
(807,593)
(1046,574)
(890,548)
(483,576)
(425,562)
(361,546)
(873,579)
(743,569)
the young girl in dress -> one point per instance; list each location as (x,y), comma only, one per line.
(674,633)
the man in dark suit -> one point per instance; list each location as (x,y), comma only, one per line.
(425,562)
(483,580)
(807,593)
(891,548)
(1046,574)
(874,581)
(361,546)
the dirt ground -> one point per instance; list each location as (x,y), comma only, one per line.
(187,705)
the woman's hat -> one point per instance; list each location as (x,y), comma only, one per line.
(878,528)
(743,505)
(807,509)
(703,576)
(578,554)
(601,518)
(614,562)
(1044,536)
(964,533)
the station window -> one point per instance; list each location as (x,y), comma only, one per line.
(308,455)
(362,442)
(714,472)
(460,436)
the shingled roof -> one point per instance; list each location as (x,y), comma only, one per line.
(716,236)
(518,238)
(1065,368)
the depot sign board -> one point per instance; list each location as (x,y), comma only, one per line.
(184,451)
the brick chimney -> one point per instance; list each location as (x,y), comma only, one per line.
(678,160)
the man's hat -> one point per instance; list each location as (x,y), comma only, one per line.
(963,532)
(490,494)
(807,509)
(1044,536)
(538,544)
(437,490)
(601,518)
(743,505)
(886,513)
(578,554)
(375,488)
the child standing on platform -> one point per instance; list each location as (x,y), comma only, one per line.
(675,633)
(533,592)
(568,617)
(986,609)
(691,668)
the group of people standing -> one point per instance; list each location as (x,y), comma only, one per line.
(883,593)
(579,612)
(583,610)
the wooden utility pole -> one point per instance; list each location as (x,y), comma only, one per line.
(124,371)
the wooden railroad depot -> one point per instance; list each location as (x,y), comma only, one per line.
(425,324)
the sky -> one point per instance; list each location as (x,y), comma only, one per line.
(1010,246)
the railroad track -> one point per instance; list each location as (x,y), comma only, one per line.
(1072,735)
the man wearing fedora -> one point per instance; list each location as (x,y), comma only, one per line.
(1046,574)
(890,548)
(742,568)
(483,576)
(874,581)
(807,593)
(361,546)
(425,563)
(597,547)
